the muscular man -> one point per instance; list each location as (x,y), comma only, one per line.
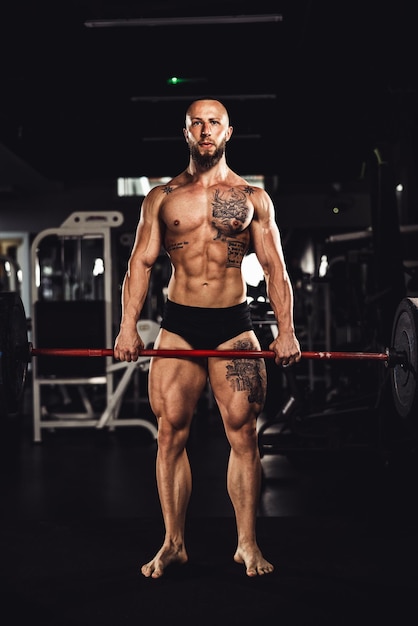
(206,218)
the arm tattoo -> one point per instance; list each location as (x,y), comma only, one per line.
(247,374)
(167,189)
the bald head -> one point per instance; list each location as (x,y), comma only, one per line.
(211,108)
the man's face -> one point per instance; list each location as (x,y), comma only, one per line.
(207,131)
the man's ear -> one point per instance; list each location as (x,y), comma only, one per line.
(229,133)
(185,135)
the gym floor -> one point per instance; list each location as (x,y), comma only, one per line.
(80,514)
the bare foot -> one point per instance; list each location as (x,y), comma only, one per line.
(255,563)
(168,555)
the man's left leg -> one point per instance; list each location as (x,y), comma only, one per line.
(239,387)
(244,480)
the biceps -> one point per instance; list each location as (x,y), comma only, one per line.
(268,248)
(147,245)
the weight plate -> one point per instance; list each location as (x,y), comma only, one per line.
(404,376)
(14,352)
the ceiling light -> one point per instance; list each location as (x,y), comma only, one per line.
(244,96)
(182,21)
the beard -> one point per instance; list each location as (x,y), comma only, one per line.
(207,161)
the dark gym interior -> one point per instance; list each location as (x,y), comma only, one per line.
(323,101)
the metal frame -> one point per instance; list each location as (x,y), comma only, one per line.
(78,224)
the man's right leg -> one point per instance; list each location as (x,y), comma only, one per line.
(175,387)
(174,482)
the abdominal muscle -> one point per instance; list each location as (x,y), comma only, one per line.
(221,291)
(206,268)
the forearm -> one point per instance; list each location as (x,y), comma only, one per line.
(280,295)
(134,292)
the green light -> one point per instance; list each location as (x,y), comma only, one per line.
(174,80)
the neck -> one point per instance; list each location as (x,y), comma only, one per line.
(217,172)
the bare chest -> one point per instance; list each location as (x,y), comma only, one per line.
(226,212)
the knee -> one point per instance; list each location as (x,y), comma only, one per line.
(173,433)
(244,438)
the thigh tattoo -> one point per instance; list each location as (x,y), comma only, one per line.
(247,374)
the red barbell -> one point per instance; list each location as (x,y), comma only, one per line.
(389,356)
(402,358)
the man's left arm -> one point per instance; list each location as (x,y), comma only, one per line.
(268,248)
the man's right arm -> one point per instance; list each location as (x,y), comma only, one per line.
(145,251)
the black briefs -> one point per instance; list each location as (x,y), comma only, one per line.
(206,329)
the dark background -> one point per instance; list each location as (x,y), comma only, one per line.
(316,99)
(310,96)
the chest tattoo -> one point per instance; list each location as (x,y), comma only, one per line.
(229,215)
(230,212)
